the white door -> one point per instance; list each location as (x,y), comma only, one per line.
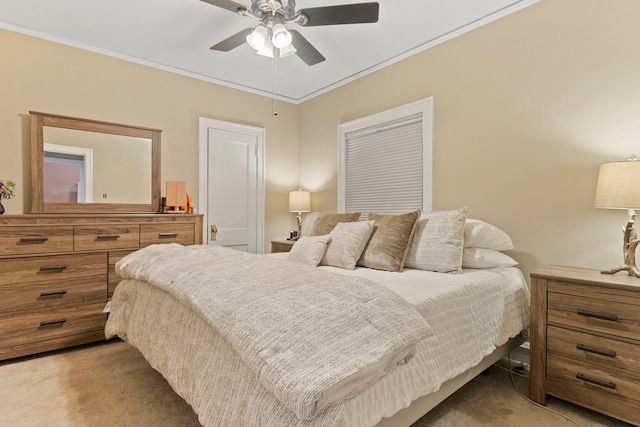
(231,185)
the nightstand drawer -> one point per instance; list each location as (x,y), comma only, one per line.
(98,237)
(281,245)
(609,317)
(573,380)
(603,353)
(35,239)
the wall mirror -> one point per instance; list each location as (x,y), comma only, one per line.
(87,166)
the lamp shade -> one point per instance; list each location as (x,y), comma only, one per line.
(299,201)
(618,185)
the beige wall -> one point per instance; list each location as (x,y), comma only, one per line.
(526,109)
(38,75)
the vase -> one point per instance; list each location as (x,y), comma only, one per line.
(1,207)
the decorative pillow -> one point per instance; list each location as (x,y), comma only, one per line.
(480,234)
(390,241)
(347,241)
(307,224)
(309,249)
(324,223)
(437,244)
(485,258)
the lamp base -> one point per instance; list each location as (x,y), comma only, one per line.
(629,249)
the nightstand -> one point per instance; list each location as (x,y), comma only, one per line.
(281,245)
(585,340)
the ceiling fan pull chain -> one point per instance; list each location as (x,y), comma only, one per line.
(274,70)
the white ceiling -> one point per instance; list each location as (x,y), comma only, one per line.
(175,35)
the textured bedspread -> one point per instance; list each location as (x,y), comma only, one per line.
(311,338)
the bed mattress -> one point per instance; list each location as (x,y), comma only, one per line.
(471,314)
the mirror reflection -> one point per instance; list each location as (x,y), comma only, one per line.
(91,167)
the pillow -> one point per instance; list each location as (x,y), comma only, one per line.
(308,249)
(437,244)
(307,224)
(347,241)
(486,258)
(324,223)
(390,240)
(480,234)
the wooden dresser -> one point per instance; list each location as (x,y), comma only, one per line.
(57,272)
(585,340)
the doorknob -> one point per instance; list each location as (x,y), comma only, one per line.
(214,232)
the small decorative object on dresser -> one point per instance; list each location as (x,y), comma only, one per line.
(6,191)
(58,271)
(585,340)
(281,245)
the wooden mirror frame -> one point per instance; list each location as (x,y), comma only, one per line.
(38,205)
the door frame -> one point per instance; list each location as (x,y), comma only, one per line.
(203,172)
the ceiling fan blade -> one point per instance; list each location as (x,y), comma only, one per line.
(232,42)
(226,4)
(305,50)
(361,13)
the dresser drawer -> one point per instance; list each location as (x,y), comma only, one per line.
(20,240)
(25,328)
(602,353)
(598,389)
(183,234)
(609,317)
(97,237)
(53,281)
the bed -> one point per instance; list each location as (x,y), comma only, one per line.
(473,319)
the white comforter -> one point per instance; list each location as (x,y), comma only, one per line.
(471,314)
(312,338)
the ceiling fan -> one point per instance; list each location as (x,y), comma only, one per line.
(271,38)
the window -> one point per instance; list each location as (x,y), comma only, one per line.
(385,163)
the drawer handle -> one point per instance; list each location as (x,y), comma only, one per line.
(612,386)
(610,317)
(168,235)
(596,351)
(54,268)
(52,294)
(53,322)
(108,237)
(33,239)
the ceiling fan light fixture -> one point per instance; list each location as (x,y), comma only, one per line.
(281,37)
(258,38)
(266,50)
(283,52)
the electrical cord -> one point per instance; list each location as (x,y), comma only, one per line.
(512,374)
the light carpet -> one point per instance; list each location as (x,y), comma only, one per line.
(112,385)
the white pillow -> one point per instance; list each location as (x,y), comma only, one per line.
(437,243)
(485,258)
(347,241)
(309,249)
(306,226)
(480,234)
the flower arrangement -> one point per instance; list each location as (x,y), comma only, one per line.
(6,189)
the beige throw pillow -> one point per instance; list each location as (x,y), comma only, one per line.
(347,241)
(390,241)
(437,244)
(308,249)
(324,223)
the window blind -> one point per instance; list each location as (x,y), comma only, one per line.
(384,167)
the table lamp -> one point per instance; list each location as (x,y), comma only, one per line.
(299,201)
(619,188)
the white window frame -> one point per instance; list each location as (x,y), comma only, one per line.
(424,106)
